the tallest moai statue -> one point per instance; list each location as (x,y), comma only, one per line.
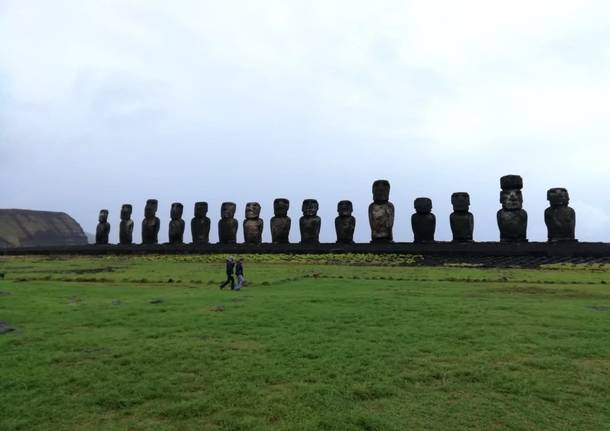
(381,213)
(512,218)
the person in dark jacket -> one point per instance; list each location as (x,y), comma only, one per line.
(230,279)
(239,272)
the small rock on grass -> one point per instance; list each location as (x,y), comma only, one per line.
(219,307)
(5,327)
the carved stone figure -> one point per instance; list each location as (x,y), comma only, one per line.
(253,224)
(126,226)
(310,222)
(381,213)
(176,225)
(345,223)
(423,222)
(512,218)
(227,225)
(280,222)
(151,223)
(461,220)
(200,224)
(103,228)
(560,219)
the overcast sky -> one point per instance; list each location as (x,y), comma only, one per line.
(111,102)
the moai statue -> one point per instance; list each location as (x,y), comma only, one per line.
(126,226)
(423,222)
(200,224)
(227,225)
(103,228)
(176,225)
(345,223)
(151,223)
(461,220)
(280,222)
(253,224)
(512,218)
(381,213)
(310,222)
(560,219)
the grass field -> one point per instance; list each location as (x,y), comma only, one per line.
(311,343)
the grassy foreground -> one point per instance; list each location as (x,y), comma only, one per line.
(312,343)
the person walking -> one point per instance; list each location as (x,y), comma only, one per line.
(230,279)
(239,272)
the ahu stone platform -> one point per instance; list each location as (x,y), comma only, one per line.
(453,250)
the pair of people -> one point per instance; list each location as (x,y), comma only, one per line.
(239,272)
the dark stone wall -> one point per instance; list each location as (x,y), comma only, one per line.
(451,249)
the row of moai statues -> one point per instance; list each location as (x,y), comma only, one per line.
(560,219)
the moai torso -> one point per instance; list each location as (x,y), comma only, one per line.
(176,225)
(103,228)
(227,225)
(512,218)
(560,219)
(423,222)
(345,223)
(151,223)
(280,222)
(200,224)
(461,220)
(126,226)
(381,213)
(310,222)
(253,224)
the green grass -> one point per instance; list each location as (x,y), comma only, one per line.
(312,343)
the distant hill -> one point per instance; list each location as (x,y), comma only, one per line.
(28,228)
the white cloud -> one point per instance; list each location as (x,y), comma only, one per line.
(201,100)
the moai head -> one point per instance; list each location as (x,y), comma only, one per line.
(381,191)
(345,208)
(310,207)
(253,210)
(151,208)
(460,201)
(280,207)
(558,197)
(227,210)
(201,209)
(103,217)
(511,197)
(176,211)
(126,212)
(423,205)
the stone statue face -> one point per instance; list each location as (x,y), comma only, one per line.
(558,197)
(381,191)
(126,212)
(201,209)
(310,207)
(176,211)
(103,217)
(460,201)
(511,199)
(423,205)
(345,208)
(253,210)
(227,210)
(280,207)
(151,208)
